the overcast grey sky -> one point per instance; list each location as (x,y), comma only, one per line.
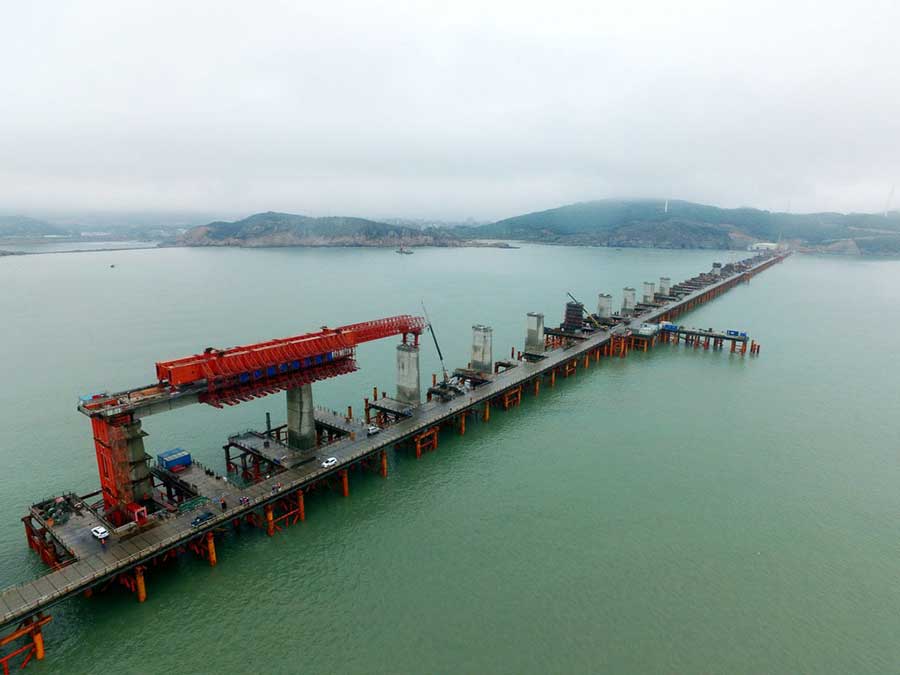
(449,109)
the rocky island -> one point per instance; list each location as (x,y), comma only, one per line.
(287,229)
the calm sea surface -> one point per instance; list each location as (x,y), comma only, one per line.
(678,511)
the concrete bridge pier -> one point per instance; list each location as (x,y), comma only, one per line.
(301,418)
(408,386)
(628,301)
(604,305)
(138,471)
(665,285)
(482,348)
(534,333)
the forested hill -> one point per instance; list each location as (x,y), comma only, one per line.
(286,229)
(647,222)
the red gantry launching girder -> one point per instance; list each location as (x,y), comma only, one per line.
(229,376)
(217,377)
(240,373)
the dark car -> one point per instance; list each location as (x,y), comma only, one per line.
(202,518)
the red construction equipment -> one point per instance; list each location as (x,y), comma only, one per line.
(217,377)
(241,365)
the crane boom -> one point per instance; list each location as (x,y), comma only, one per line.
(436,345)
(589,315)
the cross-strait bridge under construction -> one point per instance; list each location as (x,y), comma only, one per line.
(149,512)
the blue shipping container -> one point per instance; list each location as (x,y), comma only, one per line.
(174,457)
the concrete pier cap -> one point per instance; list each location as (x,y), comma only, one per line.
(482,348)
(534,333)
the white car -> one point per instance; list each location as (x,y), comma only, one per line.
(100,532)
(330,462)
(372,430)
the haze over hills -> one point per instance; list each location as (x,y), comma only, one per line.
(609,222)
(681,224)
(23,226)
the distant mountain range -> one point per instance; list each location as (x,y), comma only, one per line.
(680,224)
(23,226)
(609,222)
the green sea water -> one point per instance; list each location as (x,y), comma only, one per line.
(678,511)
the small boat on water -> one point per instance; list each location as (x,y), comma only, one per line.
(404,251)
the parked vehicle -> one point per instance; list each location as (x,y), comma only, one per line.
(100,532)
(330,462)
(202,518)
(372,430)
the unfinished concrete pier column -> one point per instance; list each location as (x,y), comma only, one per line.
(534,333)
(628,300)
(665,285)
(717,268)
(301,418)
(649,292)
(604,305)
(482,348)
(408,388)
(138,470)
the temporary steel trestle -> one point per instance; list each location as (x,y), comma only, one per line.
(286,505)
(25,642)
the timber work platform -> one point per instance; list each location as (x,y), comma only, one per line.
(266,479)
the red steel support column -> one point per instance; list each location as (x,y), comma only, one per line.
(345,483)
(140,586)
(38,638)
(270,520)
(211,548)
(384,464)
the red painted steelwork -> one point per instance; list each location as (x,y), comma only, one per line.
(214,365)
